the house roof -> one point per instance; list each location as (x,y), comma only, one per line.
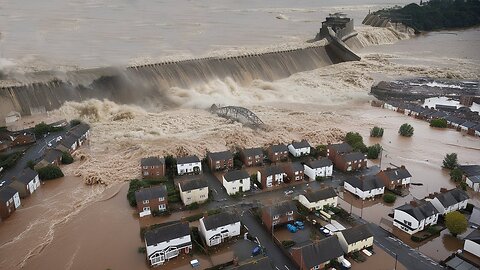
(281,208)
(458,263)
(438,114)
(26,176)
(397,173)
(320,252)
(475,216)
(474,179)
(477,127)
(224,155)
(165,233)
(300,144)
(321,194)
(271,170)
(297,166)
(470,170)
(236,175)
(353,156)
(219,220)
(68,141)
(468,124)
(341,147)
(250,152)
(474,236)
(368,182)
(452,197)
(193,184)
(187,159)
(80,129)
(52,155)
(152,161)
(420,212)
(357,233)
(6,193)
(151,193)
(261,264)
(279,148)
(319,163)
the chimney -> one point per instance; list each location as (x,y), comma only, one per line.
(403,166)
(431,196)
(413,203)
(443,190)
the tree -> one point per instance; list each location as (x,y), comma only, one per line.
(320,151)
(170,166)
(67,158)
(456,223)
(49,172)
(456,175)
(450,161)
(31,164)
(389,198)
(41,128)
(355,140)
(373,151)
(406,130)
(75,122)
(439,123)
(376,132)
(135,185)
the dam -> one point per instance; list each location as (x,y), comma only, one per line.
(45,91)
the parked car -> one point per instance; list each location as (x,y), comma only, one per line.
(256,251)
(345,263)
(195,263)
(366,252)
(326,231)
(291,228)
(299,225)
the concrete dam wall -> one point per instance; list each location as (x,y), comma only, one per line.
(149,83)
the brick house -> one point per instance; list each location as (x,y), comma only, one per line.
(252,156)
(26,183)
(220,160)
(277,153)
(152,167)
(295,171)
(151,199)
(395,177)
(279,214)
(334,150)
(23,139)
(349,162)
(317,255)
(271,176)
(9,201)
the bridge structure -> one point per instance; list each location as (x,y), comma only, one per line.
(239,114)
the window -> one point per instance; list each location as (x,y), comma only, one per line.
(218,161)
(290,213)
(161,199)
(316,267)
(145,201)
(241,181)
(276,217)
(146,208)
(290,218)
(296,173)
(162,207)
(202,196)
(145,173)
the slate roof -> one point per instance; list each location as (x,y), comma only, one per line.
(349,157)
(420,212)
(397,173)
(187,159)
(151,193)
(475,216)
(323,251)
(219,220)
(6,193)
(297,167)
(251,152)
(224,155)
(468,124)
(474,179)
(470,170)
(279,148)
(271,170)
(357,233)
(474,236)
(300,144)
(165,233)
(438,114)
(341,147)
(80,129)
(52,155)
(152,161)
(452,197)
(319,163)
(68,141)
(236,175)
(26,176)
(281,208)
(456,263)
(368,182)
(321,194)
(193,184)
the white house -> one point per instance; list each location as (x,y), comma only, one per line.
(414,217)
(217,228)
(355,238)
(471,173)
(26,183)
(472,243)
(193,191)
(81,133)
(390,106)
(271,176)
(449,200)
(236,181)
(189,165)
(473,182)
(321,167)
(167,242)
(365,187)
(300,148)
(317,200)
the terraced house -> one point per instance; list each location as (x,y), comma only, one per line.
(220,227)
(167,242)
(449,200)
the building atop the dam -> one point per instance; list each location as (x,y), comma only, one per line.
(339,23)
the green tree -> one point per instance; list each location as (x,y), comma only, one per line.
(456,223)
(450,161)
(389,198)
(49,172)
(41,128)
(67,158)
(406,130)
(439,123)
(376,132)
(170,166)
(321,150)
(353,138)
(456,175)
(373,151)
(135,185)
(31,164)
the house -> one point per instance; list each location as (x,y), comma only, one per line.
(334,150)
(271,176)
(236,181)
(393,106)
(317,255)
(414,217)
(189,165)
(355,238)
(68,144)
(252,156)
(26,183)
(322,167)
(193,191)
(220,160)
(279,214)
(474,131)
(394,178)
(472,243)
(317,200)
(262,263)
(298,149)
(365,187)
(471,174)
(9,201)
(81,132)
(217,228)
(277,153)
(51,157)
(294,171)
(453,121)
(465,126)
(152,199)
(152,167)
(23,139)
(449,200)
(167,242)
(349,162)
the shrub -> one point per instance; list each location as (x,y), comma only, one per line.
(450,161)
(456,223)
(456,175)
(373,151)
(142,250)
(376,132)
(319,178)
(49,172)
(31,164)
(463,185)
(75,122)
(389,198)
(192,206)
(439,123)
(41,128)
(288,243)
(194,217)
(67,158)
(406,130)
(320,151)
(355,140)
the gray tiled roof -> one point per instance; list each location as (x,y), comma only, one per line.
(224,155)
(271,170)
(470,170)
(397,173)
(193,184)
(187,159)
(297,167)
(80,129)
(219,220)
(420,212)
(474,236)
(452,197)
(468,124)
(279,148)
(341,147)
(365,183)
(52,155)
(155,192)
(300,144)
(357,233)
(349,157)
(236,175)
(321,194)
(319,163)
(251,152)
(68,141)
(281,208)
(321,252)
(165,233)
(26,176)
(6,193)
(152,161)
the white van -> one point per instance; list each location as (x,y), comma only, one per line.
(345,263)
